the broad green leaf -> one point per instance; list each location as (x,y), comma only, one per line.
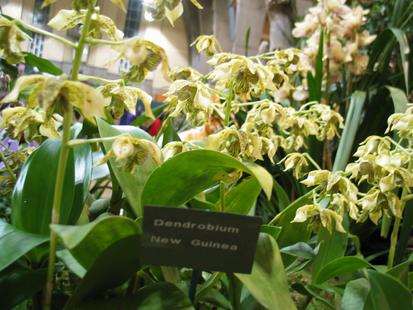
(71,263)
(351,126)
(355,294)
(332,247)
(187,174)
(386,293)
(131,184)
(87,242)
(300,249)
(315,82)
(339,267)
(273,231)
(15,243)
(169,133)
(405,231)
(143,118)
(113,267)
(292,232)
(282,196)
(242,197)
(401,38)
(399,98)
(268,281)
(18,284)
(401,271)
(44,65)
(83,173)
(32,197)
(162,296)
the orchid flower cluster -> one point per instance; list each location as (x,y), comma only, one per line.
(344,41)
(232,86)
(383,164)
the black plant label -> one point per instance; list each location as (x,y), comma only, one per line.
(199,239)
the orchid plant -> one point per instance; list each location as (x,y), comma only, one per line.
(228,141)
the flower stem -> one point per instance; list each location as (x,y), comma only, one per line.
(64,154)
(57,199)
(312,161)
(395,233)
(105,42)
(393,242)
(6,164)
(46,33)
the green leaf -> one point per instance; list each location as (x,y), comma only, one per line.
(386,293)
(405,232)
(315,82)
(282,196)
(169,133)
(332,247)
(162,296)
(42,64)
(216,298)
(401,271)
(292,232)
(15,243)
(273,231)
(340,266)
(143,118)
(83,174)
(71,263)
(32,197)
(113,267)
(355,294)
(187,174)
(242,197)
(399,98)
(300,249)
(18,284)
(401,38)
(87,242)
(268,281)
(131,184)
(351,126)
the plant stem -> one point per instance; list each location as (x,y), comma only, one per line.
(398,145)
(57,199)
(64,154)
(105,42)
(395,233)
(77,142)
(9,170)
(393,242)
(46,33)
(228,104)
(312,161)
